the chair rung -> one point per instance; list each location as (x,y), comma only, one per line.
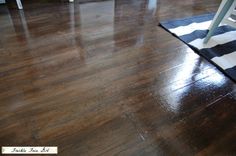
(230,22)
(234,12)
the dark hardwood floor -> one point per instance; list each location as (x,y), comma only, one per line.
(102,78)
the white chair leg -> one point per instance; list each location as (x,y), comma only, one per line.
(217,13)
(19,4)
(231,10)
(227,19)
(215,23)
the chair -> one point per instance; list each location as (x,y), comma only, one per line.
(19,4)
(226,9)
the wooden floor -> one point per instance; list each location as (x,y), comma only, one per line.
(101,78)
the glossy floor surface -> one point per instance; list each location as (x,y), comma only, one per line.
(101,78)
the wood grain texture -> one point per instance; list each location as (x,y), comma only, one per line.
(101,78)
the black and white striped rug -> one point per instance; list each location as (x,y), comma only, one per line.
(221,48)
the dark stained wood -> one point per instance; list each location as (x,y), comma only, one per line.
(101,78)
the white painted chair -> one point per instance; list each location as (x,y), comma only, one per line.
(19,4)
(223,15)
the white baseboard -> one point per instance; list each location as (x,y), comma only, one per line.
(2,1)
